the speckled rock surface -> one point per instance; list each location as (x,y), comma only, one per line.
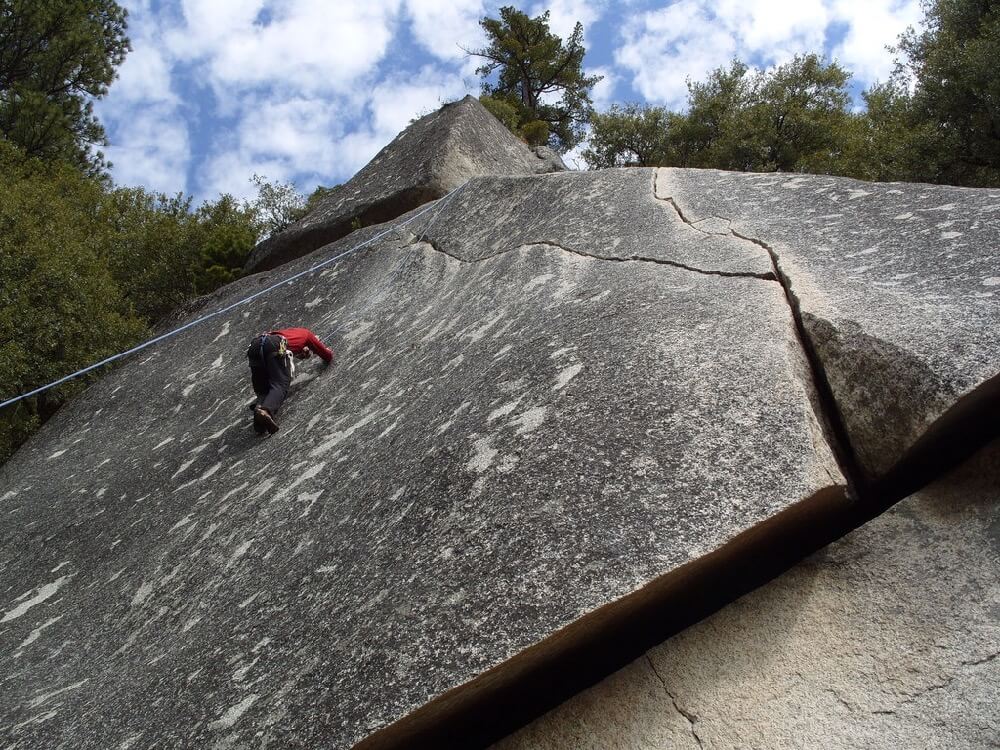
(501,447)
(888,638)
(899,287)
(435,154)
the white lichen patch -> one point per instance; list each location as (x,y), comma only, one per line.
(991,281)
(233,713)
(37,632)
(339,436)
(223,332)
(41,718)
(566,375)
(44,697)
(530,420)
(190,624)
(311,498)
(483,455)
(57,454)
(504,410)
(478,333)
(453,362)
(143,594)
(359,333)
(210,472)
(238,553)
(183,468)
(538,281)
(183,522)
(41,594)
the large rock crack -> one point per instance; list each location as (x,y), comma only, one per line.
(593,256)
(828,409)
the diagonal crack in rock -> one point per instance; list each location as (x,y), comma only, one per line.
(691,718)
(830,415)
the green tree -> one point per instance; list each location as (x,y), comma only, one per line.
(799,114)
(277,204)
(60,306)
(56,57)
(629,136)
(149,250)
(538,77)
(711,134)
(226,232)
(953,114)
(790,118)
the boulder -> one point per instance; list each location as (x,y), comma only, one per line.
(524,445)
(897,290)
(425,161)
(570,415)
(887,638)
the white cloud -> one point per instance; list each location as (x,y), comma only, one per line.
(304,139)
(151,147)
(308,45)
(392,105)
(689,38)
(665,47)
(873,24)
(603,93)
(444,27)
(564,14)
(149,137)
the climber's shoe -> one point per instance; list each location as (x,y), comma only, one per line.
(263,420)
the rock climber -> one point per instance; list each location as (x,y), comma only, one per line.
(271,370)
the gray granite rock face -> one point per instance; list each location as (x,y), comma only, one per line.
(515,435)
(889,637)
(898,285)
(435,154)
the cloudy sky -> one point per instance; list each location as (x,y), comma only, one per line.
(307,91)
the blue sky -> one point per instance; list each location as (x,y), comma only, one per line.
(307,91)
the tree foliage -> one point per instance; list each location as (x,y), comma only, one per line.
(952,117)
(277,204)
(789,118)
(630,136)
(533,80)
(936,120)
(56,57)
(88,269)
(60,307)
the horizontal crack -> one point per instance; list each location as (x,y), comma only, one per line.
(613,259)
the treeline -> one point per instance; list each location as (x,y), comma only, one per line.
(937,119)
(88,268)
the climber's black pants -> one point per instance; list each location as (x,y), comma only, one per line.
(268,372)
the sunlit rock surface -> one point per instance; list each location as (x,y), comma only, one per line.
(889,637)
(502,447)
(899,287)
(433,155)
(557,399)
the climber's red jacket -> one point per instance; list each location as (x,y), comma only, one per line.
(301,338)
